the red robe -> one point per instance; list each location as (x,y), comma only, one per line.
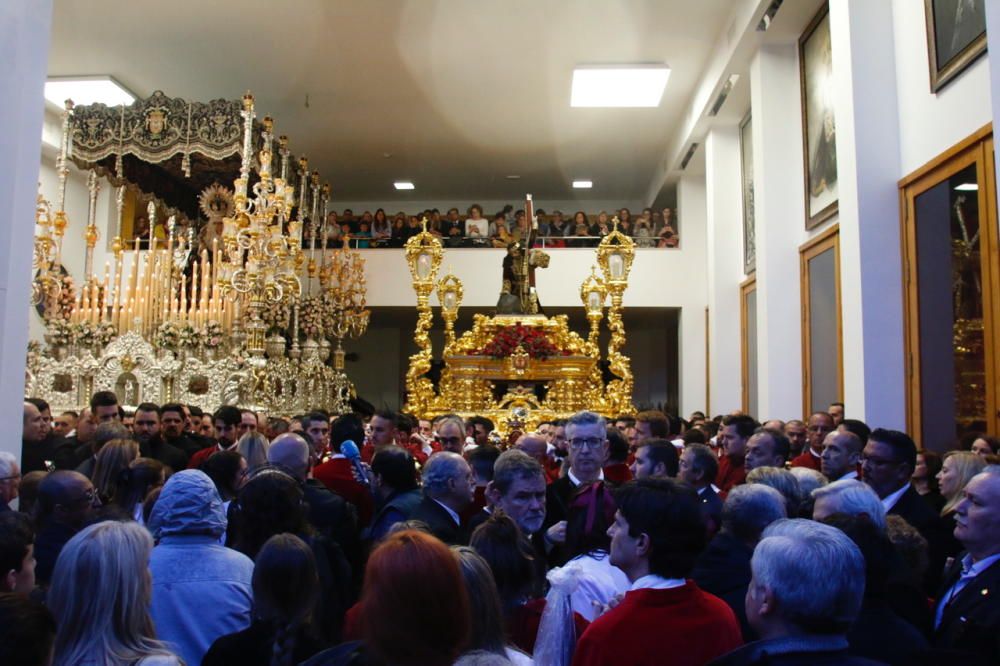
(681,626)
(617,474)
(808,459)
(337,474)
(201,456)
(730,474)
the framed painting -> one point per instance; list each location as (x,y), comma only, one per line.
(956,37)
(819,135)
(746,173)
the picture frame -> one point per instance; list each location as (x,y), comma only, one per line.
(819,134)
(747,182)
(956,38)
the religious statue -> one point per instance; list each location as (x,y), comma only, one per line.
(518,295)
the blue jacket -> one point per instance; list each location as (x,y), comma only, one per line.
(201,590)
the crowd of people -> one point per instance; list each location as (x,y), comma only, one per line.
(650,228)
(170,536)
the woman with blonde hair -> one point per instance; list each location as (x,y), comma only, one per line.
(100,596)
(113,459)
(958,468)
(253,447)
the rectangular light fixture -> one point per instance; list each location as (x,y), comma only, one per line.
(86,90)
(967,187)
(403,185)
(619,85)
(583,184)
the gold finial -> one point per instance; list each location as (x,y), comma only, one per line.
(614,222)
(423,223)
(268,124)
(304,164)
(247,101)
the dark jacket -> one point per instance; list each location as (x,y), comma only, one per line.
(396,509)
(441,523)
(879,633)
(915,510)
(814,650)
(49,542)
(970,623)
(53,449)
(333,517)
(723,569)
(253,647)
(158,449)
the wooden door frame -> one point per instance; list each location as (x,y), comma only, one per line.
(747,286)
(976,149)
(828,240)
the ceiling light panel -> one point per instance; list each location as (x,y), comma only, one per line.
(619,86)
(403,185)
(583,184)
(86,90)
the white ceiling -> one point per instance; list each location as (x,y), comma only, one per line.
(458,93)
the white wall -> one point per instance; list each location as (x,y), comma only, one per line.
(929,124)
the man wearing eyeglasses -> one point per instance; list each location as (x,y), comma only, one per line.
(887,464)
(587,437)
(66,501)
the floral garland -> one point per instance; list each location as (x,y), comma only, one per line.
(508,338)
(83,333)
(312,314)
(60,331)
(211,335)
(66,301)
(187,336)
(167,335)
(105,333)
(276,317)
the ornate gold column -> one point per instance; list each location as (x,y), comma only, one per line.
(423,254)
(614,256)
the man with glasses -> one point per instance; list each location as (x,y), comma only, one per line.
(586,434)
(66,501)
(820,425)
(887,464)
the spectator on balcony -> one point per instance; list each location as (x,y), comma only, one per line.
(643,233)
(625,221)
(381,230)
(602,227)
(499,233)
(348,219)
(476,226)
(543,222)
(452,221)
(667,236)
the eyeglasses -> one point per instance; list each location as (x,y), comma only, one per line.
(877,462)
(588,443)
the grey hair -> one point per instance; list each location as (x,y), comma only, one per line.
(750,508)
(7,462)
(109,430)
(781,480)
(809,480)
(786,561)
(290,451)
(853,498)
(453,419)
(586,418)
(440,468)
(253,447)
(514,464)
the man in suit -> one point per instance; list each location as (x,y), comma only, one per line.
(698,466)
(841,453)
(967,618)
(448,488)
(151,442)
(587,436)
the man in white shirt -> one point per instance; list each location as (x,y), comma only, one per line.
(449,487)
(841,453)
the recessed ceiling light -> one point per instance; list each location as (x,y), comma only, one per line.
(583,184)
(513,176)
(967,187)
(619,85)
(403,185)
(86,90)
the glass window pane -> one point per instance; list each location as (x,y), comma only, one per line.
(823,343)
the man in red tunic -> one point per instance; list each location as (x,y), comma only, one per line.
(337,473)
(732,439)
(820,425)
(663,620)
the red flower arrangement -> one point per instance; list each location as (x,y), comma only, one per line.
(508,338)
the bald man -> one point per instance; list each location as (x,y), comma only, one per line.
(66,501)
(841,455)
(329,513)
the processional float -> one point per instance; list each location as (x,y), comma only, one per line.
(520,367)
(243,313)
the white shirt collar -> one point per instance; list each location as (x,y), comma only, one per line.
(852,475)
(654,582)
(454,516)
(889,501)
(575,481)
